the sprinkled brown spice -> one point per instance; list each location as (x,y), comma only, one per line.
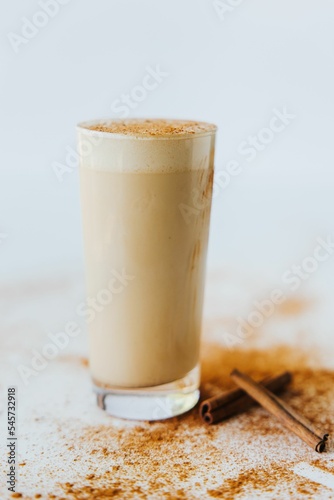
(165,459)
(327,466)
(264,480)
(153,128)
(84,361)
(68,358)
(293,306)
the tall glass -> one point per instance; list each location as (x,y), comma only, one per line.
(146,188)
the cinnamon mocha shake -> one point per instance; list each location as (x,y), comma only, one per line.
(146,196)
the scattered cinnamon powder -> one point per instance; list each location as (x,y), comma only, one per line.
(266,481)
(181,458)
(292,306)
(84,361)
(68,358)
(153,127)
(327,466)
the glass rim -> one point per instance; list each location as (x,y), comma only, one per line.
(83,126)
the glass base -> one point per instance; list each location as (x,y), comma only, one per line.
(151,403)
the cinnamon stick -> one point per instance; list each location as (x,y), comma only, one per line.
(285,414)
(233,402)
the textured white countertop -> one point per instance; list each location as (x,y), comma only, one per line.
(69,448)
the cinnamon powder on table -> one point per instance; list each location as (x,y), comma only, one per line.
(181,458)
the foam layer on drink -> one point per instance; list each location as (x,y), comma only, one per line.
(152,128)
(146,146)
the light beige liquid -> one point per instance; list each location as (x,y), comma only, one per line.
(153,225)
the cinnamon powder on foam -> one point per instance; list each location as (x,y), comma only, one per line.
(153,128)
(181,458)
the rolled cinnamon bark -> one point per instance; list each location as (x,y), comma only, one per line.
(285,414)
(233,402)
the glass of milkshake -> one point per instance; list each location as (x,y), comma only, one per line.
(146,188)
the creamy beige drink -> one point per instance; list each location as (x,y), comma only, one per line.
(146,196)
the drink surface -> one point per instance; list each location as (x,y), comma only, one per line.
(158,128)
(146,209)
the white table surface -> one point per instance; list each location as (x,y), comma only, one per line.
(58,420)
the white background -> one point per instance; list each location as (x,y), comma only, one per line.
(232,69)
